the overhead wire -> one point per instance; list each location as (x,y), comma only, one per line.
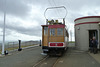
(69,16)
(53,4)
(68,19)
(70,9)
(58,11)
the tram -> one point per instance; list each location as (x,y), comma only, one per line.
(54,36)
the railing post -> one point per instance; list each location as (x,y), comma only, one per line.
(19,49)
(40,42)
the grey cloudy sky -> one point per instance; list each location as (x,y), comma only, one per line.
(25,17)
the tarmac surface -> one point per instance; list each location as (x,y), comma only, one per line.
(31,56)
(96,56)
(24,58)
(76,58)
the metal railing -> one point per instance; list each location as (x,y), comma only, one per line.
(14,46)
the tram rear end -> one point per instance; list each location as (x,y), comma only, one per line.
(54,36)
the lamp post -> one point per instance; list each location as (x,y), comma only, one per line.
(71,35)
(3,43)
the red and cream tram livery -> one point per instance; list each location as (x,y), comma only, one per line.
(54,37)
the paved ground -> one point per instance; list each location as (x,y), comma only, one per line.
(29,57)
(25,58)
(95,56)
(75,58)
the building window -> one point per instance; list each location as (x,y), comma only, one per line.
(45,30)
(52,32)
(59,31)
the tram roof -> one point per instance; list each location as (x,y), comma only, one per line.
(55,26)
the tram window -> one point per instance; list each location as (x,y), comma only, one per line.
(45,30)
(59,31)
(52,32)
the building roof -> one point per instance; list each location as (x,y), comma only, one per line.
(87,17)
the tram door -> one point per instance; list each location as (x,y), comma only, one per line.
(93,33)
(45,36)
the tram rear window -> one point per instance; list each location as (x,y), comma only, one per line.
(45,30)
(59,31)
(52,32)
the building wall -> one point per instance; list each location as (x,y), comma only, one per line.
(81,37)
(82,32)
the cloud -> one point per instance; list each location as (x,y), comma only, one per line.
(32,31)
(17,8)
(25,17)
(37,2)
(27,27)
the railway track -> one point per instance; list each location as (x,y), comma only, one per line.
(48,61)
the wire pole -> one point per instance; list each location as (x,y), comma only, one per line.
(71,35)
(3,43)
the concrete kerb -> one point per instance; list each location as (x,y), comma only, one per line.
(2,55)
(30,47)
(95,56)
(16,50)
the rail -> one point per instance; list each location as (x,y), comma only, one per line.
(51,60)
